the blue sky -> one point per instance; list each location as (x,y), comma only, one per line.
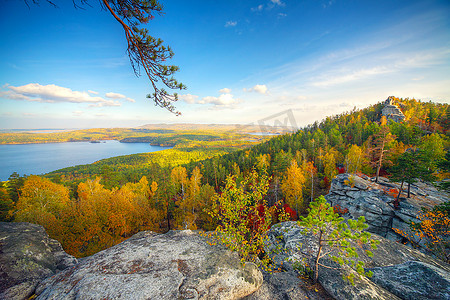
(242,61)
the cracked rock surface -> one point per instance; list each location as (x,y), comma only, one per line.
(363,197)
(175,265)
(27,256)
(399,271)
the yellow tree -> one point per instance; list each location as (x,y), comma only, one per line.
(263,162)
(329,160)
(42,202)
(311,172)
(292,186)
(179,179)
(88,220)
(354,159)
(191,205)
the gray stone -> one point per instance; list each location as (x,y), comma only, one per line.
(176,265)
(391,111)
(288,244)
(27,256)
(283,286)
(413,280)
(373,202)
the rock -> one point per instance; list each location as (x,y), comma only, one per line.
(391,111)
(27,256)
(364,197)
(288,244)
(283,286)
(414,280)
(175,265)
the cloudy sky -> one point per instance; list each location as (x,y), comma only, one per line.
(242,61)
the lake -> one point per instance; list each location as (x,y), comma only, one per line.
(43,158)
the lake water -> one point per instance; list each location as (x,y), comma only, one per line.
(43,158)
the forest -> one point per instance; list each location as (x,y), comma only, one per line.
(92,207)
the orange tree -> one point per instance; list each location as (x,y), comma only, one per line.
(433,231)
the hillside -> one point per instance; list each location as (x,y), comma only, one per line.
(96,206)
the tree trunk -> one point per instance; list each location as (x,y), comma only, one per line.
(378,174)
(397,200)
(409,189)
(380,161)
(316,265)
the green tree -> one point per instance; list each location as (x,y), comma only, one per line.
(444,164)
(432,147)
(409,168)
(243,216)
(334,234)
(144,50)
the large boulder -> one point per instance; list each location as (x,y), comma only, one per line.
(391,111)
(358,196)
(27,256)
(287,245)
(175,265)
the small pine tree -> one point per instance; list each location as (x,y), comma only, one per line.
(334,233)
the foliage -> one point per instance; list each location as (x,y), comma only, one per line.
(243,216)
(354,159)
(334,234)
(105,211)
(410,166)
(444,165)
(42,202)
(292,186)
(6,204)
(433,231)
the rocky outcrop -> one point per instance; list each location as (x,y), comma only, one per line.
(356,196)
(27,256)
(176,265)
(414,280)
(285,286)
(391,111)
(288,244)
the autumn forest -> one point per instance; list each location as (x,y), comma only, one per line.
(89,208)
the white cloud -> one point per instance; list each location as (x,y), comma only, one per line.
(223,101)
(259,88)
(258,8)
(29,114)
(225,91)
(53,94)
(115,95)
(93,92)
(112,95)
(277,2)
(230,23)
(352,76)
(188,98)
